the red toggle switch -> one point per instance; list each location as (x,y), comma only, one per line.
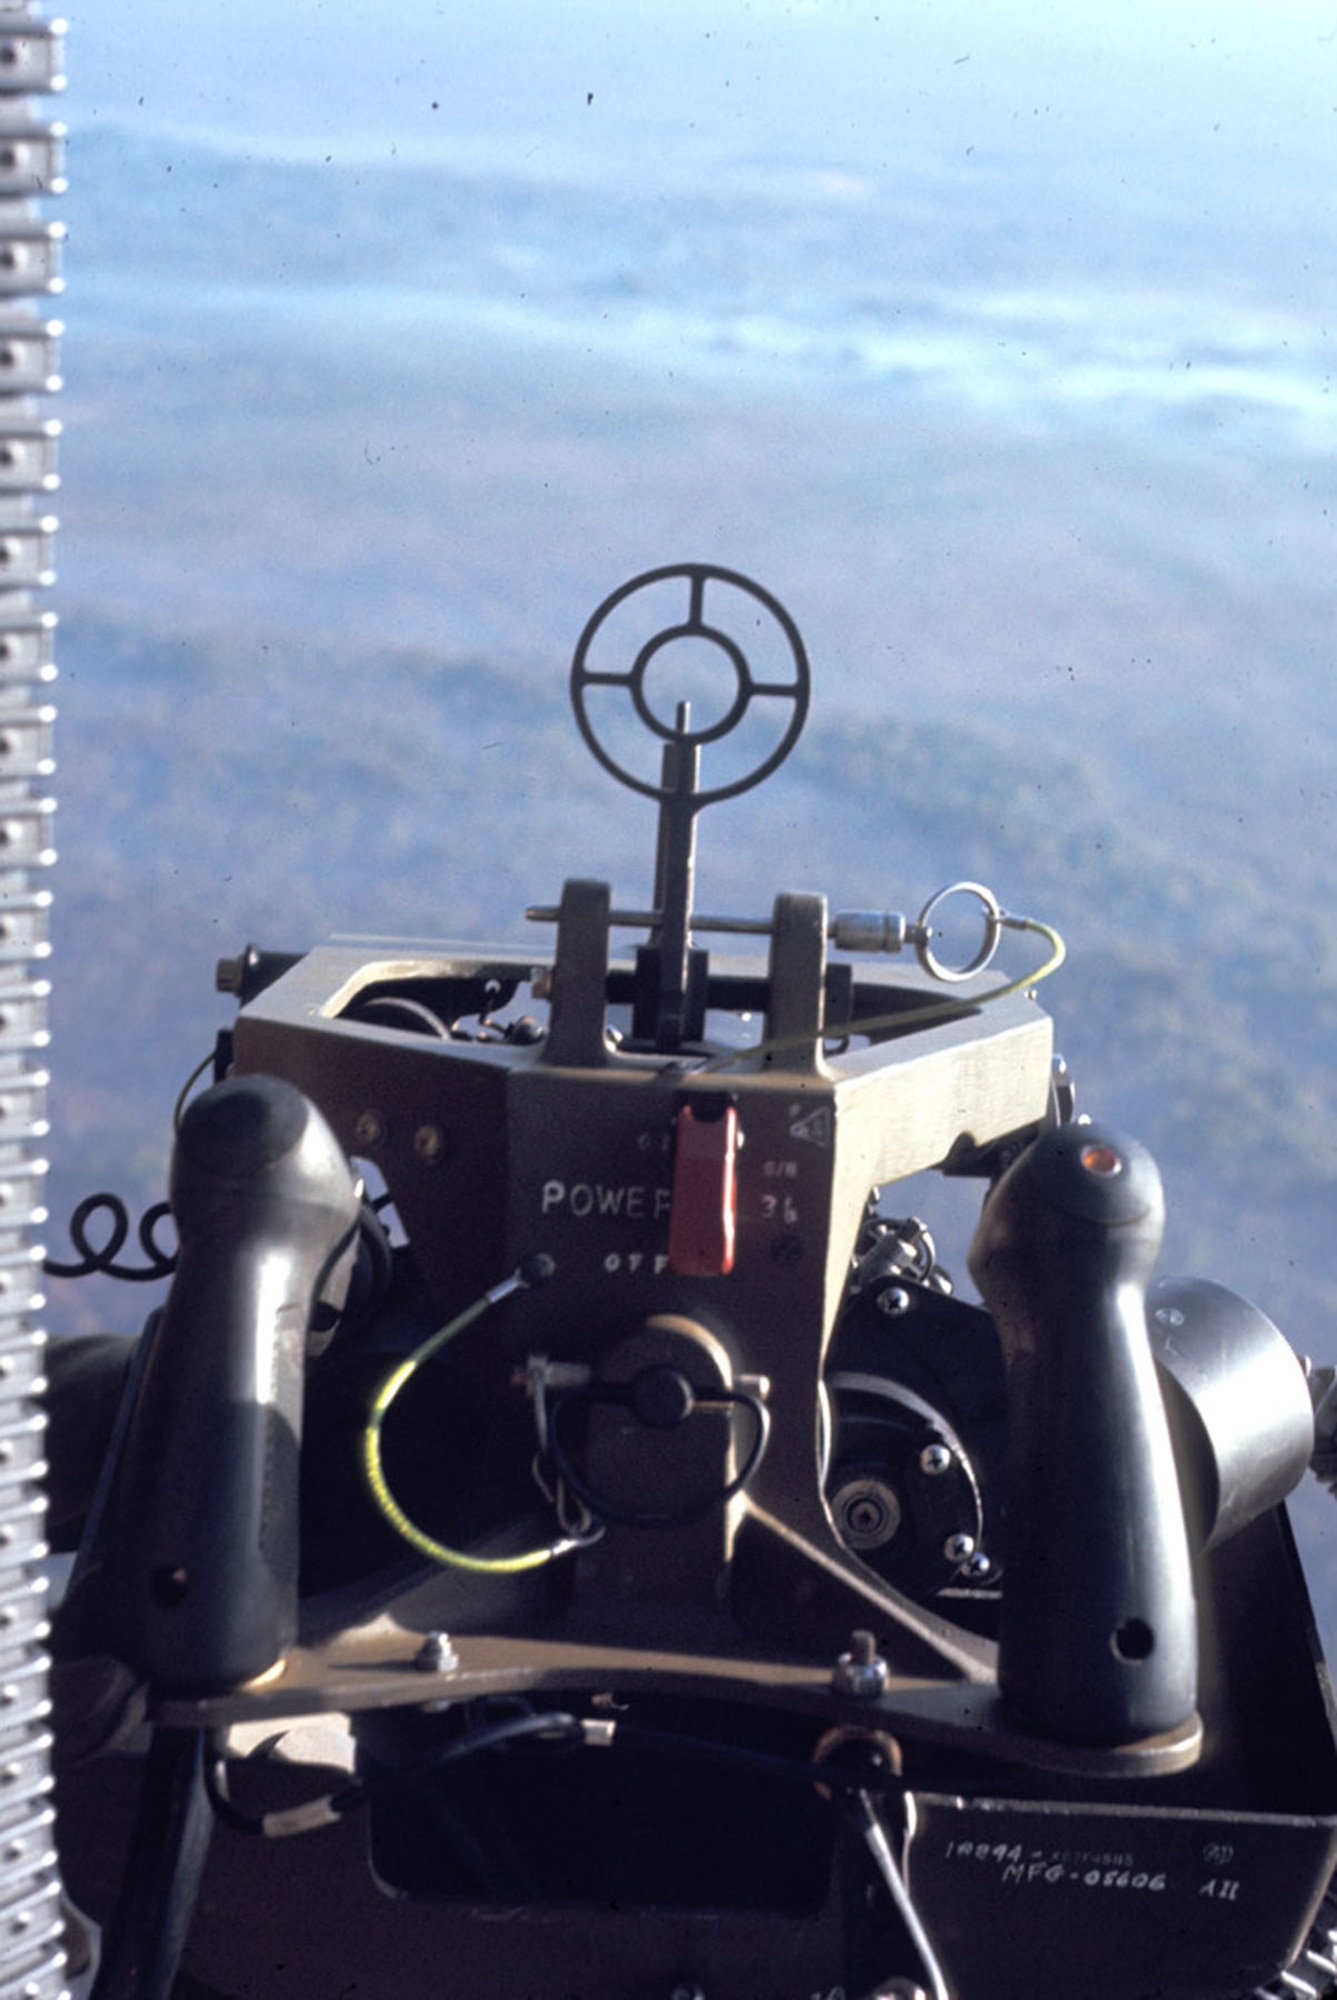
(705,1190)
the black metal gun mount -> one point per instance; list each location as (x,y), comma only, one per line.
(693,1572)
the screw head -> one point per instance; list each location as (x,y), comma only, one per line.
(894,1301)
(369,1129)
(959,1549)
(934,1460)
(429,1145)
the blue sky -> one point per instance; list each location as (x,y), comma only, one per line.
(640,83)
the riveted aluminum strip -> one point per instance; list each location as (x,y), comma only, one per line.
(25,831)
(34,1927)
(25,1537)
(30,260)
(45,1966)
(29,354)
(32,56)
(28,1844)
(32,160)
(27,544)
(20,1688)
(13,1657)
(29,454)
(23,1007)
(25,741)
(11,1339)
(19,1434)
(28,1464)
(23,1106)
(21,1368)
(20,1375)
(26,1708)
(22,1770)
(19,1554)
(31,247)
(20,1282)
(16,1606)
(22,1294)
(25,922)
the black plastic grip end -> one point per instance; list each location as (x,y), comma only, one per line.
(1098,1640)
(201,1540)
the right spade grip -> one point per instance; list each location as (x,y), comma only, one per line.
(1098,1641)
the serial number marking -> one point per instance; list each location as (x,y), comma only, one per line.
(1020,1866)
(1089,1878)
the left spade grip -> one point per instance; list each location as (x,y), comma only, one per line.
(201,1544)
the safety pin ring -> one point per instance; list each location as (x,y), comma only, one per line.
(922,932)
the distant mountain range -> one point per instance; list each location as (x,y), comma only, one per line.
(951,286)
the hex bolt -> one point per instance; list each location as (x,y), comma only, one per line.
(934,1460)
(436,1655)
(862,1672)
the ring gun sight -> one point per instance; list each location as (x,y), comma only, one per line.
(648,1401)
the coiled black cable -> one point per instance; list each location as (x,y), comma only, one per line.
(100,1260)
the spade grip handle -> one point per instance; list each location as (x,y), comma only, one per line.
(203,1539)
(1098,1640)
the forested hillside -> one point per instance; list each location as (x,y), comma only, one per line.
(278,791)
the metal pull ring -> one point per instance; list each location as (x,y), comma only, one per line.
(993,921)
(669,727)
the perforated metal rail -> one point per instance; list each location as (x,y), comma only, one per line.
(32,1959)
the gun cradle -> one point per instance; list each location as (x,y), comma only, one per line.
(879,1637)
(530,1154)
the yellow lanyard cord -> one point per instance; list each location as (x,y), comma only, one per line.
(374,1467)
